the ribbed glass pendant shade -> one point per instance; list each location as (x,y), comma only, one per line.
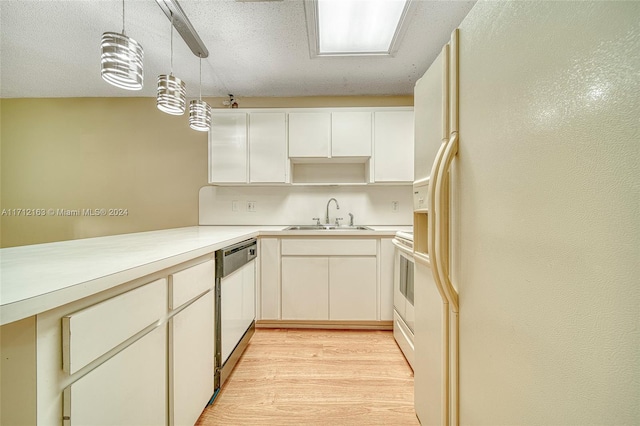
(121,61)
(199,115)
(172,94)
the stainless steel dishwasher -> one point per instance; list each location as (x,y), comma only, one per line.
(235,305)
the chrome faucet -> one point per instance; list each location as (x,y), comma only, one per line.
(326,217)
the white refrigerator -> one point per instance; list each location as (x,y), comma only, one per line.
(527,218)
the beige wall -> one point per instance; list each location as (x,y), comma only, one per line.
(91,153)
(317,102)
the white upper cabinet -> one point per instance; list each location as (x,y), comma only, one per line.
(267,147)
(393,146)
(228,148)
(309,134)
(330,134)
(351,134)
(312,146)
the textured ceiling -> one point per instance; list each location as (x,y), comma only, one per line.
(52,49)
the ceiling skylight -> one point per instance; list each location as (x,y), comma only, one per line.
(354,27)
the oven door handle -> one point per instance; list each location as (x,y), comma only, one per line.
(402,247)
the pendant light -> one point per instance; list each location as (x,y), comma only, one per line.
(172,91)
(200,111)
(121,59)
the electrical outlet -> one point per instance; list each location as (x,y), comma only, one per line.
(394,206)
(251,206)
(234,206)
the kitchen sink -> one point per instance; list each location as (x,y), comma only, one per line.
(326,228)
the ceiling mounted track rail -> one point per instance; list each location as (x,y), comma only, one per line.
(182,24)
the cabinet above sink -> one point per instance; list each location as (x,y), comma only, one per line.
(311,146)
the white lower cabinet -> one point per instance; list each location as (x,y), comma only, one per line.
(90,333)
(352,288)
(329,288)
(128,389)
(191,361)
(269,295)
(333,279)
(305,288)
(191,343)
(142,354)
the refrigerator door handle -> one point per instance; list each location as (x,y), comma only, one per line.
(442,211)
(432,230)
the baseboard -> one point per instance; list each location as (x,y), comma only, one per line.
(332,325)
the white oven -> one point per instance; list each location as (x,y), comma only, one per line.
(403,313)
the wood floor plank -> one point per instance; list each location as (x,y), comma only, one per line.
(317,377)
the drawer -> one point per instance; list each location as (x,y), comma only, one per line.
(93,331)
(329,247)
(190,283)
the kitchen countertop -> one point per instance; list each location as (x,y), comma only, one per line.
(40,277)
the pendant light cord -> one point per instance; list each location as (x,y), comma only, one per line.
(123,17)
(171,43)
(200,77)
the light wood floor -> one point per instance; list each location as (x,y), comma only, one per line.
(317,377)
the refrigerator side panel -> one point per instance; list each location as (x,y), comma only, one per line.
(546,216)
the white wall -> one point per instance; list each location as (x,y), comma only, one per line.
(297,205)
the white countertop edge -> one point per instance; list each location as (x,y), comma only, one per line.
(24,308)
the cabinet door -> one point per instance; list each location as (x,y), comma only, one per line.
(351,134)
(267,147)
(269,278)
(393,144)
(352,288)
(128,389)
(191,363)
(305,288)
(228,148)
(309,134)
(387,277)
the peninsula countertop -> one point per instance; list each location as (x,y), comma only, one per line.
(36,278)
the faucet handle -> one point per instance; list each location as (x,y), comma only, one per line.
(337,219)
(350,219)
(317,219)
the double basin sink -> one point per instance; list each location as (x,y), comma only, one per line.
(327,228)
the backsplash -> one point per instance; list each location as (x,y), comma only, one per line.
(297,205)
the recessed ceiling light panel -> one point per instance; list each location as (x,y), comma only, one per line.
(355,27)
